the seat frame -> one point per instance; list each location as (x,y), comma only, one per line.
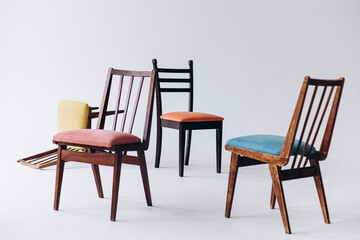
(183,127)
(299,168)
(116,155)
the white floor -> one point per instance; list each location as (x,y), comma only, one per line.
(191,207)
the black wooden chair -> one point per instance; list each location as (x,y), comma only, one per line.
(183,121)
(112,147)
(296,155)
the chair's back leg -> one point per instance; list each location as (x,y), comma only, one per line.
(321,191)
(59,175)
(188,144)
(116,182)
(234,165)
(158,144)
(96,172)
(144,176)
(279,193)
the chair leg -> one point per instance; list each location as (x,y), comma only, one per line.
(96,172)
(59,177)
(272,198)
(188,143)
(158,145)
(232,181)
(321,192)
(116,182)
(279,192)
(181,151)
(218,148)
(144,176)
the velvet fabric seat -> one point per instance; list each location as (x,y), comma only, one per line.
(190,117)
(271,144)
(96,137)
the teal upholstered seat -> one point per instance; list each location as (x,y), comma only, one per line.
(271,144)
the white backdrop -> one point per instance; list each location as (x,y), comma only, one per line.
(250,58)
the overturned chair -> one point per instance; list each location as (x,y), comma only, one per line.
(71,115)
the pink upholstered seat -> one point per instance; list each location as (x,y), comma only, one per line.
(96,137)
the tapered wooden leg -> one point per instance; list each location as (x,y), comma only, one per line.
(116,182)
(144,176)
(232,181)
(96,172)
(279,193)
(218,148)
(158,145)
(188,143)
(181,151)
(321,192)
(59,175)
(272,198)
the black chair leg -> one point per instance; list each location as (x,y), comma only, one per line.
(188,143)
(59,177)
(158,145)
(181,151)
(218,148)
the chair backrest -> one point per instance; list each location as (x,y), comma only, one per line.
(318,103)
(129,82)
(171,75)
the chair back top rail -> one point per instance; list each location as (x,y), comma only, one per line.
(170,79)
(308,118)
(130,104)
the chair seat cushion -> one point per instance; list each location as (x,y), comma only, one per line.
(190,117)
(270,144)
(96,137)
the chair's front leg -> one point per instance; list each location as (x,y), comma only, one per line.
(218,148)
(116,182)
(232,181)
(59,176)
(181,150)
(188,145)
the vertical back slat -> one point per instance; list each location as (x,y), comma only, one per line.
(136,105)
(304,126)
(320,122)
(312,127)
(127,104)
(118,102)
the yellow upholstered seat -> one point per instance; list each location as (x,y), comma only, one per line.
(72,115)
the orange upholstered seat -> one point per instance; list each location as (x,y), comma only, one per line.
(190,117)
(96,137)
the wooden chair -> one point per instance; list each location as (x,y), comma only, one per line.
(295,155)
(183,121)
(111,147)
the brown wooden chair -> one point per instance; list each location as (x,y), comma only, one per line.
(295,155)
(183,121)
(111,147)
